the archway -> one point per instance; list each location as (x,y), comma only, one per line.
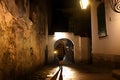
(69,48)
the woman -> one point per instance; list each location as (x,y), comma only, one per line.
(60,52)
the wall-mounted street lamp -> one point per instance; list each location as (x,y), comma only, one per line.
(84,4)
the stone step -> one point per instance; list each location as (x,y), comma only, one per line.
(116,73)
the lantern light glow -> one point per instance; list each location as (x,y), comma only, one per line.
(84,4)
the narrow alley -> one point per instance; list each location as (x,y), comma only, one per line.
(35,34)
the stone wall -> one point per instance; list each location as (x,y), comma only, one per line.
(23,31)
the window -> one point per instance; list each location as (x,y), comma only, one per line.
(101,20)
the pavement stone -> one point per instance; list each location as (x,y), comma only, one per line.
(73,72)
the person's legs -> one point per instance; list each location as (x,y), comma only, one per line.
(60,62)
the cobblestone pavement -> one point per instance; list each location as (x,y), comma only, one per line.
(73,72)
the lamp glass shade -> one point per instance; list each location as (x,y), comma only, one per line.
(84,4)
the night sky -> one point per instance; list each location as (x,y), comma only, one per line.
(62,10)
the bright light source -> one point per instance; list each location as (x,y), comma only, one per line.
(84,4)
(59,35)
(55,52)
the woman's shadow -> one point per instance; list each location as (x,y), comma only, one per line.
(58,75)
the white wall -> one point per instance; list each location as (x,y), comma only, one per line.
(111,43)
(106,50)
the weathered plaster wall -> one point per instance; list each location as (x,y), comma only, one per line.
(82,49)
(77,50)
(106,50)
(23,33)
(85,50)
(51,48)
